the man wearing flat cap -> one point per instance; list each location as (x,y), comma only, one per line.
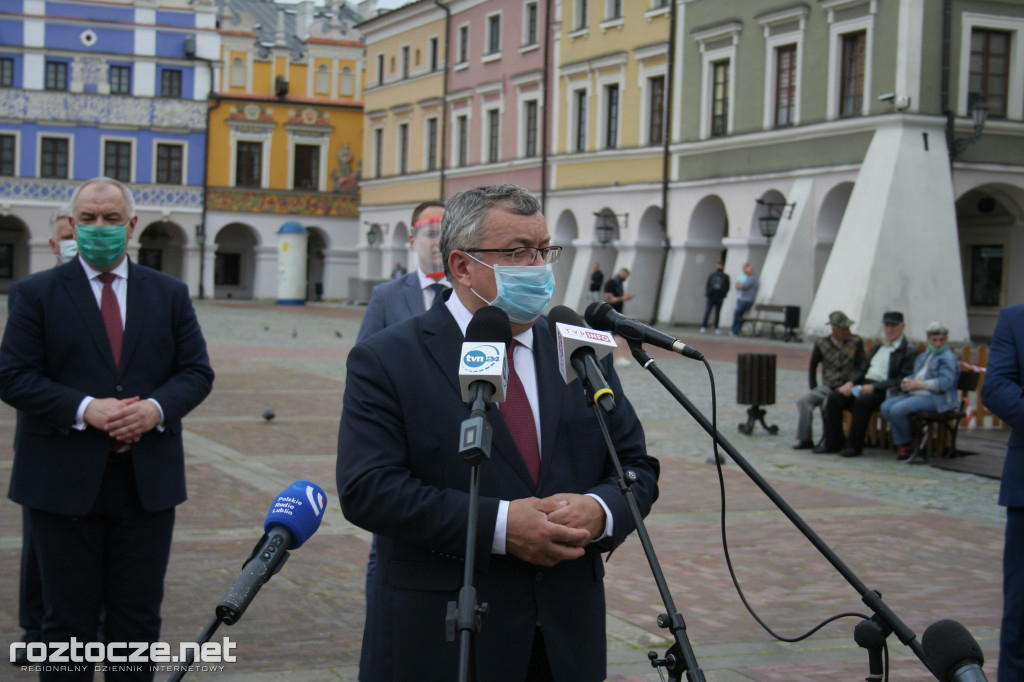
(866,389)
(839,354)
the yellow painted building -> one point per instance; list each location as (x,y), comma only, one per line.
(285,146)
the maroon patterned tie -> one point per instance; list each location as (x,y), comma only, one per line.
(111,312)
(518,416)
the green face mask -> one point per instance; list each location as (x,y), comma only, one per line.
(101,245)
(937,350)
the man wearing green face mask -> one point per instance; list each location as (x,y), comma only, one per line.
(103,358)
(549,504)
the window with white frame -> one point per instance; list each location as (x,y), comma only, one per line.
(612,9)
(493,35)
(717,83)
(378,152)
(170,163)
(579,138)
(117,160)
(611,116)
(783,31)
(656,110)
(405,61)
(462,44)
(54,157)
(531,23)
(238,72)
(849,67)
(493,139)
(248,164)
(720,84)
(785,85)
(347,84)
(992,68)
(120,79)
(322,85)
(433,46)
(580,15)
(402,148)
(430,155)
(462,141)
(8,154)
(380,68)
(306,167)
(530,132)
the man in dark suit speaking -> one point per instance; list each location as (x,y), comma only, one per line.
(103,358)
(549,501)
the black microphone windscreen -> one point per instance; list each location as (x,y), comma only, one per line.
(597,316)
(947,646)
(565,315)
(491,324)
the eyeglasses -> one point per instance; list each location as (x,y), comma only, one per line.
(524,255)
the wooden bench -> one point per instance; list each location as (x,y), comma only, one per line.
(774,317)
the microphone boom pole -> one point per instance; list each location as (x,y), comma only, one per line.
(883,615)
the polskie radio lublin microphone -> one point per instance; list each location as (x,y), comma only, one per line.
(604,316)
(484,363)
(952,653)
(293,517)
(579,349)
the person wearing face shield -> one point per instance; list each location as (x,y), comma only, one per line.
(102,358)
(417,291)
(549,503)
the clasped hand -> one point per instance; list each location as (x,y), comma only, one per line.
(557,528)
(124,420)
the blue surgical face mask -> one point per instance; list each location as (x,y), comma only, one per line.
(101,245)
(524,291)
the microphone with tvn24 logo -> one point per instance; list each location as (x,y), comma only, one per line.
(293,517)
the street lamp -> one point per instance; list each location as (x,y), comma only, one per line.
(979,114)
(605,224)
(769,222)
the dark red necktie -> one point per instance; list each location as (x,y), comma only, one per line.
(518,416)
(111,312)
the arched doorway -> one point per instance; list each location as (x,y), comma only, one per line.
(161,247)
(235,263)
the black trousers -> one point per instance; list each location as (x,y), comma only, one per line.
(114,558)
(861,409)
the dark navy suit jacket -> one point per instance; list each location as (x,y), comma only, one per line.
(391,302)
(55,352)
(1003,395)
(401,477)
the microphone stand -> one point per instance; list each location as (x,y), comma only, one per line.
(680,656)
(884,621)
(464,616)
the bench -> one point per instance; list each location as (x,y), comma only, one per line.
(775,317)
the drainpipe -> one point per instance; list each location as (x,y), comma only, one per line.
(947,33)
(666,154)
(444,94)
(547,100)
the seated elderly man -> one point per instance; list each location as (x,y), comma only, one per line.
(839,354)
(931,388)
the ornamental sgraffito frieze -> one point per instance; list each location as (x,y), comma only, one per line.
(43,106)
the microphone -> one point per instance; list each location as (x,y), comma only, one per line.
(483,370)
(952,653)
(578,351)
(604,316)
(293,517)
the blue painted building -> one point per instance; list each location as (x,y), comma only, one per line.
(115,88)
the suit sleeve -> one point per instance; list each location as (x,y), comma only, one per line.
(373,319)
(1003,390)
(24,383)
(191,378)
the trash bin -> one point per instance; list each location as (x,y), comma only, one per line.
(755,386)
(792,322)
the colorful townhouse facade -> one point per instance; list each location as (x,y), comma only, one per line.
(831,144)
(285,154)
(115,89)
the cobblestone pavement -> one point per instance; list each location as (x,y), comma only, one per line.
(929,539)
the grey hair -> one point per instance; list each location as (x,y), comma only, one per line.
(129,199)
(936,328)
(61,212)
(462,226)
